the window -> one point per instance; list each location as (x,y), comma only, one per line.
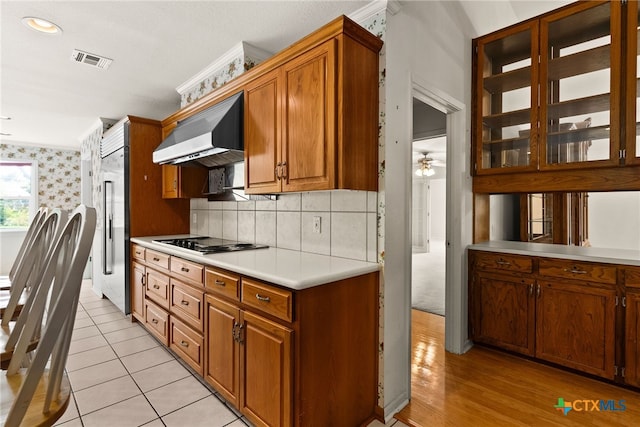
(18,193)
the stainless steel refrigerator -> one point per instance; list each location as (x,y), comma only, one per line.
(114,150)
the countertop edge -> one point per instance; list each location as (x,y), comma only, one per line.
(576,253)
(358,268)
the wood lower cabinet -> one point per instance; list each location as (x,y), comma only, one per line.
(505,312)
(575,326)
(138,274)
(187,343)
(632,329)
(558,310)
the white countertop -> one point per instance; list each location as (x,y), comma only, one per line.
(292,269)
(577,253)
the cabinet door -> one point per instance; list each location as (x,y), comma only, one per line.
(575,326)
(632,345)
(309,120)
(580,73)
(265,371)
(506,94)
(222,358)
(632,142)
(137,290)
(170,177)
(262,134)
(504,312)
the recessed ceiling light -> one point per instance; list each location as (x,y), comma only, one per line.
(5,134)
(41,25)
(5,118)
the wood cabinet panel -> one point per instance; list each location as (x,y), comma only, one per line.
(138,252)
(632,341)
(503,262)
(222,283)
(222,350)
(575,326)
(157,288)
(567,269)
(632,277)
(157,321)
(504,312)
(266,371)
(269,299)
(187,302)
(157,259)
(183,182)
(187,343)
(138,274)
(187,269)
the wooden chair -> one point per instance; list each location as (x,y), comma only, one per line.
(5,281)
(30,265)
(36,395)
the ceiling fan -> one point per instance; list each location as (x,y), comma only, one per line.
(425,166)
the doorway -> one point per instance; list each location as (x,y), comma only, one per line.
(428,213)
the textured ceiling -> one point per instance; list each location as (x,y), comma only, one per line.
(155,47)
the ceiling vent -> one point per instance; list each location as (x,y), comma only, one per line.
(91,59)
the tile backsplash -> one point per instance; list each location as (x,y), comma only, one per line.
(348,222)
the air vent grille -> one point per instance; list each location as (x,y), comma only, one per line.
(91,59)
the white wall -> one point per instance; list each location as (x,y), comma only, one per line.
(10,241)
(614,220)
(438,211)
(427,43)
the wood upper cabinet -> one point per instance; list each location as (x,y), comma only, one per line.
(631,144)
(311,124)
(575,326)
(548,91)
(182,182)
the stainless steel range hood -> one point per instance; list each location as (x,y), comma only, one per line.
(211,138)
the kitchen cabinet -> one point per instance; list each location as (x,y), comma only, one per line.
(547,92)
(187,343)
(558,310)
(632,118)
(138,274)
(632,330)
(182,182)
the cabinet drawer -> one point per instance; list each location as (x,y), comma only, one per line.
(187,269)
(269,299)
(503,262)
(222,283)
(587,271)
(158,288)
(187,303)
(632,277)
(188,344)
(157,321)
(157,258)
(138,252)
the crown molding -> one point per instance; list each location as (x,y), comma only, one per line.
(373,8)
(241,49)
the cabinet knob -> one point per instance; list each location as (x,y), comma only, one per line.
(154,321)
(156,259)
(185,269)
(156,286)
(184,343)
(184,302)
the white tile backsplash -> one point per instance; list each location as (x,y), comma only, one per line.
(348,201)
(230,224)
(349,235)
(288,230)
(266,227)
(318,243)
(348,222)
(247,226)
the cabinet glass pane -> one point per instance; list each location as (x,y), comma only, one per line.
(506,101)
(578,87)
(638,84)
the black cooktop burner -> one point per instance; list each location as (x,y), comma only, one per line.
(210,245)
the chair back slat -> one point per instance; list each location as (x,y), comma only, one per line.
(61,283)
(37,220)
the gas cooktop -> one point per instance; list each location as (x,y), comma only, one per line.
(210,245)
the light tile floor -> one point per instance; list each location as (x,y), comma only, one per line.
(121,376)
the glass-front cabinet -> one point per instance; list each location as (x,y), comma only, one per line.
(507,87)
(633,84)
(549,91)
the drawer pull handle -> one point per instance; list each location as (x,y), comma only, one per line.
(504,263)
(184,302)
(219,282)
(156,286)
(156,259)
(261,298)
(574,270)
(154,321)
(184,343)
(531,289)
(538,291)
(185,269)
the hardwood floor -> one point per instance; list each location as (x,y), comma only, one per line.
(486,387)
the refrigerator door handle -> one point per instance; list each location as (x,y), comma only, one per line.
(107,257)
